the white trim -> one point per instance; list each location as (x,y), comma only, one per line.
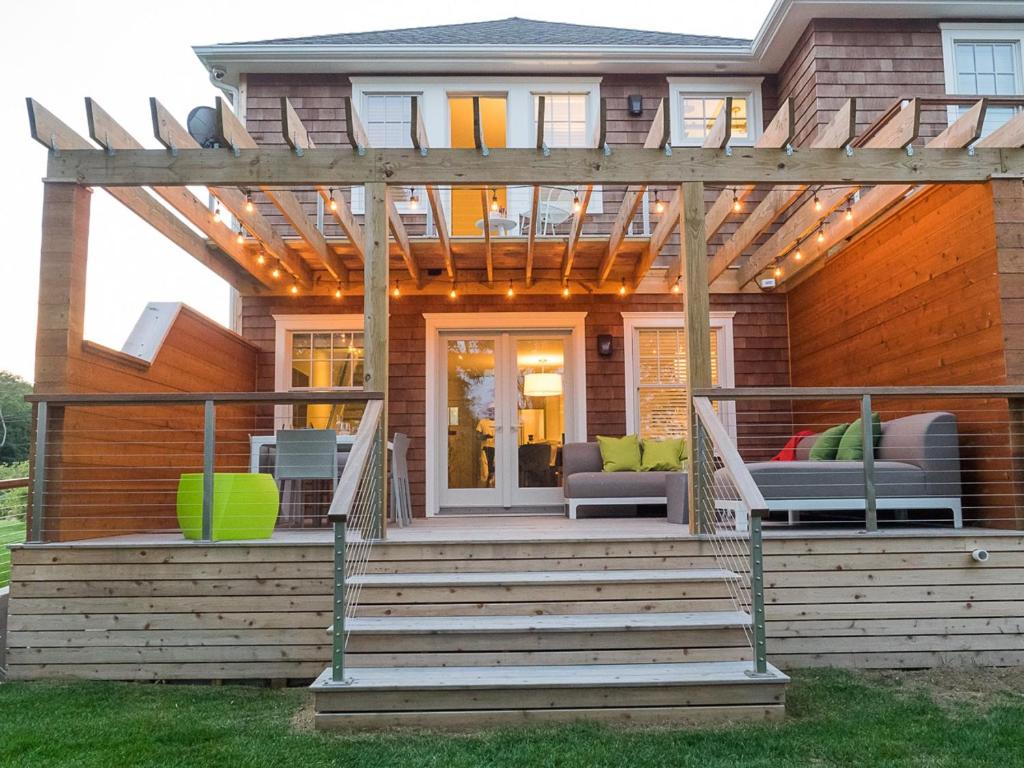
(572,504)
(721,323)
(283,326)
(748,88)
(572,322)
(978,33)
(795,506)
(518,92)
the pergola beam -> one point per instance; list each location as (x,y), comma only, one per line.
(238,138)
(57,136)
(298,138)
(658,137)
(836,135)
(879,199)
(421,142)
(481,148)
(169,132)
(575,231)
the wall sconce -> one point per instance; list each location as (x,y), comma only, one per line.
(604,344)
(635,102)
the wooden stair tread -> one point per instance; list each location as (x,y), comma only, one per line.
(553,676)
(464,579)
(405,625)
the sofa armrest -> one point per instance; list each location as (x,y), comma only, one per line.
(581,457)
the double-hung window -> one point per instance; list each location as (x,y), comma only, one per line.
(565,118)
(696,103)
(984,60)
(387,118)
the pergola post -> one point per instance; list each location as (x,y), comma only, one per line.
(697,323)
(375,326)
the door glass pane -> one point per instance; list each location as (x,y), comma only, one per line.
(470,413)
(540,411)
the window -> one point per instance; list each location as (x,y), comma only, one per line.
(319,352)
(984,60)
(565,119)
(387,118)
(696,103)
(656,371)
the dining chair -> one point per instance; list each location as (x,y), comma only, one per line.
(401,498)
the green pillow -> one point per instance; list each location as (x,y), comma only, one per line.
(827,444)
(620,454)
(851,447)
(663,455)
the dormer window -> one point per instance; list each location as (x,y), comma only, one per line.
(696,102)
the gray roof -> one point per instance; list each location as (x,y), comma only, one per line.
(511,31)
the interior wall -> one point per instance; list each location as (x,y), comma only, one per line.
(916,301)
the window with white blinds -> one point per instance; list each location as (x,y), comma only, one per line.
(657,373)
(565,119)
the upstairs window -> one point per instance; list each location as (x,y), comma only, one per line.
(565,119)
(387,118)
(695,104)
(984,60)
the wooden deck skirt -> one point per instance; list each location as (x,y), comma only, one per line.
(147,608)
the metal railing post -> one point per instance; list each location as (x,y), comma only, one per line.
(380,481)
(699,477)
(870,498)
(209,446)
(757,594)
(338,635)
(39,473)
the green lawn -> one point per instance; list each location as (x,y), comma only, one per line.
(11,532)
(973,718)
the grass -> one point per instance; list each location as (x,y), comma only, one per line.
(11,532)
(835,719)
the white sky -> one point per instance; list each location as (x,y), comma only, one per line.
(121,53)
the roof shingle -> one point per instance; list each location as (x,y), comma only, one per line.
(511,31)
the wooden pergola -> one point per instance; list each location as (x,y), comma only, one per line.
(804,185)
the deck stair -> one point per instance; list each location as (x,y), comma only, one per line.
(485,640)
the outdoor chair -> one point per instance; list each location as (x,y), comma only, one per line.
(304,454)
(401,498)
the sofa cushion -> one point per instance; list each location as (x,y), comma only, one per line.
(851,447)
(836,479)
(827,443)
(620,454)
(614,485)
(581,457)
(665,455)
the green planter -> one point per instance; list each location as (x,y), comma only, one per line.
(245,505)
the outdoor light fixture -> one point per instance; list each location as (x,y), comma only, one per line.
(635,104)
(216,215)
(798,254)
(817,203)
(542,384)
(849,212)
(777,272)
(604,344)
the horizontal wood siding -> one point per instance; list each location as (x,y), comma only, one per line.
(759,328)
(260,612)
(915,301)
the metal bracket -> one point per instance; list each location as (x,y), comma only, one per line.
(360,150)
(299,152)
(545,150)
(173,149)
(484,151)
(849,150)
(423,151)
(910,150)
(756,675)
(236,151)
(606,149)
(789,150)
(970,151)
(53,145)
(107,146)
(668,150)
(728,151)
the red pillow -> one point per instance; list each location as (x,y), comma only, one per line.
(788,453)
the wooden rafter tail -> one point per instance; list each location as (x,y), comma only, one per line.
(53,133)
(721,131)
(169,132)
(836,135)
(658,135)
(110,135)
(899,131)
(420,141)
(602,127)
(1010,135)
(237,137)
(478,127)
(298,138)
(486,217)
(879,199)
(531,240)
(354,131)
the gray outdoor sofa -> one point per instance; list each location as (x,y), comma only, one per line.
(917,466)
(586,485)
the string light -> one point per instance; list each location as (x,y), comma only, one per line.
(821,235)
(817,203)
(622,288)
(577,206)
(414,199)
(331,202)
(675,286)
(849,212)
(216,215)
(275,272)
(565,291)
(248,203)
(511,291)
(798,254)
(294,289)
(337,292)
(659,205)
(396,291)
(240,237)
(453,292)
(494,201)
(778,271)
(261,259)
(737,206)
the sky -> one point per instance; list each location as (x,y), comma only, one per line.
(121,53)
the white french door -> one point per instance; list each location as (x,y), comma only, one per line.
(501,409)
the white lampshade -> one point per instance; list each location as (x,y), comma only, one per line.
(542,384)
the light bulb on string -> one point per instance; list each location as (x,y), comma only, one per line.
(622,287)
(397,290)
(248,203)
(510,292)
(849,213)
(817,203)
(659,205)
(337,292)
(240,237)
(676,288)
(275,272)
(565,291)
(737,206)
(577,206)
(821,236)
(453,292)
(778,272)
(494,202)
(261,259)
(294,289)
(216,215)
(414,199)
(331,202)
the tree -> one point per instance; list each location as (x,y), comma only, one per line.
(17,418)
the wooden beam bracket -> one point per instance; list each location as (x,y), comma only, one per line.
(478,129)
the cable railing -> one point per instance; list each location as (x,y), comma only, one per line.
(881,457)
(13,507)
(357,513)
(729,511)
(209,466)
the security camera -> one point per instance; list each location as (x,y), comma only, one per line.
(218,74)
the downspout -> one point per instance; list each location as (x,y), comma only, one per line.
(234,98)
